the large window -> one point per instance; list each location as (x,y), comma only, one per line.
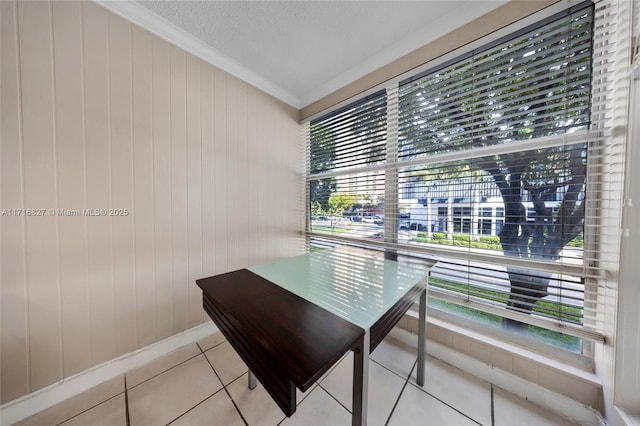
(484,163)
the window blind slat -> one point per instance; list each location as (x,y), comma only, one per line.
(354,137)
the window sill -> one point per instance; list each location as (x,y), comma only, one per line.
(561,378)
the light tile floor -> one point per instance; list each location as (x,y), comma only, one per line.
(205,383)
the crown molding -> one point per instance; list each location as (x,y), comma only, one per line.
(144,18)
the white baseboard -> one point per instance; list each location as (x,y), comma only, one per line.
(28,405)
(625,418)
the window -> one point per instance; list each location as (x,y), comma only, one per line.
(462,219)
(484,223)
(487,163)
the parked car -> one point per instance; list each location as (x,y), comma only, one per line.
(405,225)
(417,227)
(377,236)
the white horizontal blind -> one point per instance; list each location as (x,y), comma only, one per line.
(351,137)
(521,200)
(635,52)
(610,90)
(503,157)
(536,84)
(346,179)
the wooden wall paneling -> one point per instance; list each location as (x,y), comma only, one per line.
(71,167)
(207,114)
(272,182)
(194,190)
(36,65)
(179,227)
(262,149)
(98,154)
(290,168)
(283,184)
(14,350)
(279,180)
(233,171)
(143,209)
(252,176)
(242,215)
(121,202)
(294,176)
(162,171)
(220,165)
(265,206)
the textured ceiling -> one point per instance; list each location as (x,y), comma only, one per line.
(304,50)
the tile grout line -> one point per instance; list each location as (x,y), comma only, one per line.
(198,404)
(324,377)
(83,411)
(126,401)
(213,394)
(392,371)
(421,389)
(406,382)
(319,384)
(334,398)
(493,417)
(164,371)
(448,405)
(223,385)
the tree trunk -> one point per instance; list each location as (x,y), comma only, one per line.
(526,290)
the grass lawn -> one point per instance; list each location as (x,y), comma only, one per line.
(551,337)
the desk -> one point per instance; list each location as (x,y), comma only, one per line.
(292,319)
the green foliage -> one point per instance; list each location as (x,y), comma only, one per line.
(458,243)
(338,203)
(578,241)
(321,190)
(316,209)
(459,240)
(332,229)
(487,246)
(490,240)
(336,206)
(323,148)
